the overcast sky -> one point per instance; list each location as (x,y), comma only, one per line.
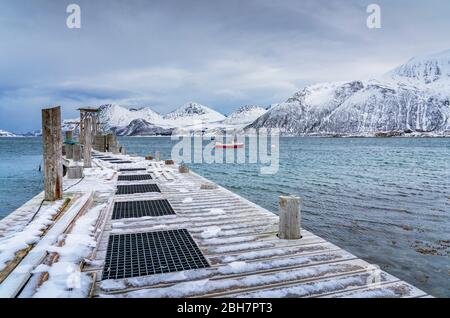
(221,53)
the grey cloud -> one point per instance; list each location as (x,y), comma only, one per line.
(223,53)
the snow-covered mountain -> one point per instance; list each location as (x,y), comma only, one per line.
(191,114)
(4,133)
(245,115)
(428,69)
(34,133)
(415,97)
(141,127)
(112,115)
(70,124)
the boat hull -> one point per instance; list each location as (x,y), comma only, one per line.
(229,146)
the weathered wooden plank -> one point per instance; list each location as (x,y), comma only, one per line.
(52,149)
(17,279)
(87,149)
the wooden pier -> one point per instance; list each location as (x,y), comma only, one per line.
(237,238)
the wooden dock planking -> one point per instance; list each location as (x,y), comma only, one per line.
(247,234)
(237,237)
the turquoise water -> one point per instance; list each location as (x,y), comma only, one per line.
(385,200)
(20,179)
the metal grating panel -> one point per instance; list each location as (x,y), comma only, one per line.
(137,188)
(141,254)
(132,169)
(135,177)
(137,209)
(120,162)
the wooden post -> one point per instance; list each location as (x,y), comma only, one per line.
(87,160)
(52,147)
(69,151)
(68,147)
(100,143)
(81,127)
(69,135)
(77,152)
(290,218)
(183,169)
(158,156)
(111,142)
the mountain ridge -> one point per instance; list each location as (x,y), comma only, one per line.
(413,98)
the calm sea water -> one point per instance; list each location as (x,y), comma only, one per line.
(20,179)
(385,200)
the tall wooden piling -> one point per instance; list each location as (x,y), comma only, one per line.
(69,135)
(68,147)
(111,142)
(100,143)
(290,218)
(69,151)
(52,147)
(77,152)
(87,161)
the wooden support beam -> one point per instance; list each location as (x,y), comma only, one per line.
(68,147)
(77,152)
(52,147)
(87,160)
(69,151)
(68,135)
(290,218)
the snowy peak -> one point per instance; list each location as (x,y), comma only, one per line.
(359,108)
(194,112)
(132,120)
(413,98)
(425,69)
(245,115)
(4,133)
(140,127)
(113,115)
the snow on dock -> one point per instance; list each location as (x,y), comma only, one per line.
(187,241)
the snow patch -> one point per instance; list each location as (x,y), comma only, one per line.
(65,279)
(10,245)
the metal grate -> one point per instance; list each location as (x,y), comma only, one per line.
(137,188)
(132,169)
(141,254)
(120,162)
(135,177)
(138,209)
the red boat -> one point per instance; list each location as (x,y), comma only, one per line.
(232,145)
